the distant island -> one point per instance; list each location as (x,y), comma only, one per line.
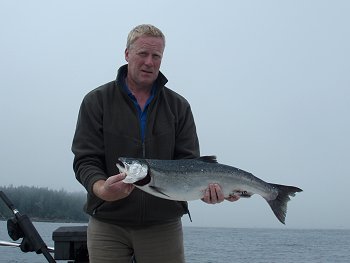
(43,204)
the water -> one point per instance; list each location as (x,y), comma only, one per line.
(226,245)
(222,245)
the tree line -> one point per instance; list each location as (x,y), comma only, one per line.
(43,204)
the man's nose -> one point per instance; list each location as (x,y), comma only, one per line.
(149,60)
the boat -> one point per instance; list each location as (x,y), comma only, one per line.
(69,242)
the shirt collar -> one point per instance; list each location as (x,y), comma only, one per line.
(128,91)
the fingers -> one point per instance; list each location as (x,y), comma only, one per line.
(115,178)
(213,194)
(113,188)
(128,189)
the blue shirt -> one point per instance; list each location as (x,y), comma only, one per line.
(141,114)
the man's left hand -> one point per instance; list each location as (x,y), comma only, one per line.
(214,195)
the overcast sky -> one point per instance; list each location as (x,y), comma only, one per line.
(268,82)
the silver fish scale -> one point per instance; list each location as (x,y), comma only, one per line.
(188,178)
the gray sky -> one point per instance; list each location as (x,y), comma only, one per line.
(268,82)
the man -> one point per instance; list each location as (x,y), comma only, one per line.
(134,116)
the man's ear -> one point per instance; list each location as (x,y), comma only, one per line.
(126,52)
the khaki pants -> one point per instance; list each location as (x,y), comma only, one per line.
(109,243)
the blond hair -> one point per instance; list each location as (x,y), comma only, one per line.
(143,30)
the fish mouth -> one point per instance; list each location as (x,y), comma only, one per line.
(120,163)
(122,166)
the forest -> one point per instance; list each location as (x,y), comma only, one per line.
(43,204)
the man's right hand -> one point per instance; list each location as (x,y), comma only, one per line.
(113,188)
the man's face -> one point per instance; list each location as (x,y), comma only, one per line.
(144,58)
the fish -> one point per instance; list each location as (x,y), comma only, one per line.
(188,179)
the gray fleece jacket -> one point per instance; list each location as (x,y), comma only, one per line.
(108,127)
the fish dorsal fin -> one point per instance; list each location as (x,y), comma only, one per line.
(208,159)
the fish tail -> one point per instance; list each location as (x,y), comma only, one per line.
(279,204)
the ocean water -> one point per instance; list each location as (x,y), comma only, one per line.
(222,245)
(226,245)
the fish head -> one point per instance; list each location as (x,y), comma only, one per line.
(134,169)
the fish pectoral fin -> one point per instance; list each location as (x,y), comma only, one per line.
(158,190)
(243,194)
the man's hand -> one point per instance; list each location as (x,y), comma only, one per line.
(214,195)
(113,188)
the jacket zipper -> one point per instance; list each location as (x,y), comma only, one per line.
(95,210)
(143,199)
(143,150)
